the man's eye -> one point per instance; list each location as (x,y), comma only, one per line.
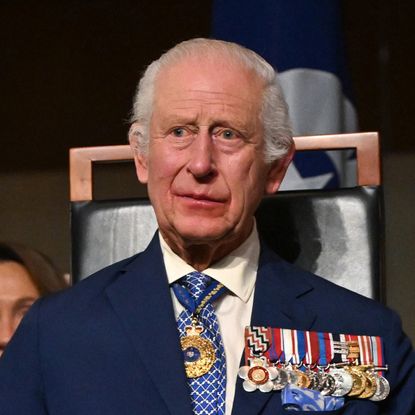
(181,132)
(228,134)
(178,132)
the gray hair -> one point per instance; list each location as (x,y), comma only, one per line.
(274,112)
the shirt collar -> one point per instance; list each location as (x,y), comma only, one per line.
(237,271)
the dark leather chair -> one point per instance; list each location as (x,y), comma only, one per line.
(337,234)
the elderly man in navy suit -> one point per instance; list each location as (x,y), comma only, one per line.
(164,332)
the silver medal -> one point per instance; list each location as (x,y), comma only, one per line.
(328,384)
(281,380)
(382,389)
(314,380)
(258,375)
(292,376)
(344,382)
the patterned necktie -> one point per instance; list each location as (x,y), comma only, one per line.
(207,392)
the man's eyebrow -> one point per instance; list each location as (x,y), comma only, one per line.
(177,119)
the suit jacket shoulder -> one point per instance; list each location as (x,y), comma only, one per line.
(108,345)
(289,297)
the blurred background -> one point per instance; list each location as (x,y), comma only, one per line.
(68,71)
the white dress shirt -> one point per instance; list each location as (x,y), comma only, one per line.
(237,272)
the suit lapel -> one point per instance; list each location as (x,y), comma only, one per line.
(141,299)
(279,293)
(277,303)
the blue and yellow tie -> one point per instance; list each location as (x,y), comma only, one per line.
(207,391)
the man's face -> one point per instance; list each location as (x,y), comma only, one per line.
(205,168)
(17,294)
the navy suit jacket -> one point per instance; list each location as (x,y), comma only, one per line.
(110,345)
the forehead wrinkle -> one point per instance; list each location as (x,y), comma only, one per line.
(209,96)
(195,105)
(202,108)
(220,93)
(203,115)
(200,105)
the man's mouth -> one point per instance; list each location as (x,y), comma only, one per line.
(201,198)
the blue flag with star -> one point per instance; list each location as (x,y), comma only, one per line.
(303,40)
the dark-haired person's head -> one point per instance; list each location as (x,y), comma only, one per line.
(25,275)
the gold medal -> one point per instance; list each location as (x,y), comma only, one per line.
(258,375)
(302,380)
(199,353)
(297,377)
(370,388)
(359,381)
(371,385)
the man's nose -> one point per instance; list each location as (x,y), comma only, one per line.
(201,162)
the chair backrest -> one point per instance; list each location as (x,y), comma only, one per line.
(337,234)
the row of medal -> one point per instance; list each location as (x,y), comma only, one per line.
(357,381)
(334,365)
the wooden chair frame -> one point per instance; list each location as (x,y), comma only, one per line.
(366,145)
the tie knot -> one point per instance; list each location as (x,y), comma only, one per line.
(196,283)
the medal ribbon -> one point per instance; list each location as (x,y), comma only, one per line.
(294,341)
(325,341)
(288,345)
(258,339)
(213,291)
(311,347)
(352,338)
(377,348)
(248,354)
(275,352)
(308,356)
(322,346)
(365,347)
(314,347)
(330,347)
(344,341)
(257,342)
(302,346)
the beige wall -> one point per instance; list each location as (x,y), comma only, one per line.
(34,209)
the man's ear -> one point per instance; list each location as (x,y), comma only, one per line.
(277,172)
(140,159)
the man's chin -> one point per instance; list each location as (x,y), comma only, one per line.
(199,232)
(200,238)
